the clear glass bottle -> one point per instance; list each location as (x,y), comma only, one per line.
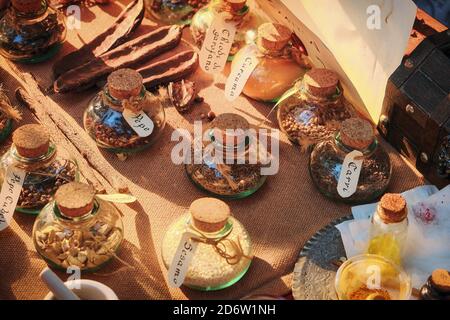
(314,109)
(173,11)
(104,118)
(46,167)
(31,31)
(389,228)
(437,286)
(327,158)
(77,229)
(224,251)
(226,168)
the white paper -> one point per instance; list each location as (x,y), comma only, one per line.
(349,176)
(9,195)
(139,122)
(180,263)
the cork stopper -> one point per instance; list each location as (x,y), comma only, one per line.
(440,279)
(27,6)
(209,214)
(392,208)
(124,84)
(229,121)
(236,5)
(321,82)
(273,36)
(357,133)
(31,140)
(75,199)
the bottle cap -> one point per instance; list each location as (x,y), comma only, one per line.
(273,36)
(236,5)
(31,140)
(209,214)
(27,6)
(75,199)
(124,83)
(440,279)
(357,133)
(392,208)
(321,82)
(229,121)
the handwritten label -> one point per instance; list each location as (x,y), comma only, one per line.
(9,195)
(240,72)
(181,260)
(349,176)
(217,45)
(117,197)
(139,122)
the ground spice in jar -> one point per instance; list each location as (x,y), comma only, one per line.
(364,293)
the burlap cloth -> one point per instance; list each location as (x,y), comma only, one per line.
(280,217)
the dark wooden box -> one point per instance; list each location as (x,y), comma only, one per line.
(416,110)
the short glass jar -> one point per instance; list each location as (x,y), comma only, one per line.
(77,229)
(327,158)
(46,167)
(224,249)
(31,31)
(437,286)
(173,11)
(105,118)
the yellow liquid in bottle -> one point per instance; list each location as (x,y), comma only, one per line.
(387,246)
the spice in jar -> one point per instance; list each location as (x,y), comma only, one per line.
(437,286)
(77,229)
(173,11)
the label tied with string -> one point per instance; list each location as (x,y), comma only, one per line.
(180,263)
(349,176)
(139,122)
(9,195)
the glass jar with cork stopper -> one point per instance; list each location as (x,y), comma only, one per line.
(173,11)
(217,248)
(351,166)
(124,117)
(31,31)
(77,229)
(437,286)
(46,168)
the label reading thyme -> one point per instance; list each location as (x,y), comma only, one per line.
(139,122)
(9,195)
(180,263)
(349,176)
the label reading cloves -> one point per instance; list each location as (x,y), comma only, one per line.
(139,122)
(9,195)
(349,176)
(181,260)
(217,45)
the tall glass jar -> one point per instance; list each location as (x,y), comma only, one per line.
(224,249)
(389,228)
(118,117)
(31,31)
(327,158)
(46,168)
(173,11)
(77,229)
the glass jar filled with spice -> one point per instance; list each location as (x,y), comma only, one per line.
(351,167)
(45,167)
(173,11)
(124,117)
(77,229)
(216,250)
(31,31)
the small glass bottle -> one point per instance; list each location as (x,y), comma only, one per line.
(437,286)
(46,168)
(226,168)
(389,228)
(173,11)
(77,229)
(224,250)
(327,158)
(281,64)
(105,118)
(31,31)
(315,110)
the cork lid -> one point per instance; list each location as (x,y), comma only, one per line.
(125,83)
(75,199)
(31,140)
(321,82)
(229,121)
(273,36)
(209,214)
(27,6)
(357,133)
(392,208)
(440,279)
(236,5)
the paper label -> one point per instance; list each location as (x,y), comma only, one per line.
(217,45)
(117,197)
(139,122)
(349,176)
(181,260)
(9,195)
(241,71)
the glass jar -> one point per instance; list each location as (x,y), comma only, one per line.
(314,109)
(173,11)
(437,286)
(31,31)
(224,249)
(46,168)
(226,168)
(327,158)
(78,230)
(105,119)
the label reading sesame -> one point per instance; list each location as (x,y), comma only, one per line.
(139,122)
(9,195)
(180,263)
(349,176)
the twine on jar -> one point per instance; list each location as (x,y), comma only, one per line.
(133,104)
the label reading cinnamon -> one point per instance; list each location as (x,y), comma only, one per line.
(9,195)
(180,263)
(217,45)
(349,176)
(139,122)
